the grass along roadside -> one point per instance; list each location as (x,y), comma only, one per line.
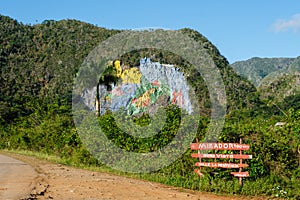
(154,177)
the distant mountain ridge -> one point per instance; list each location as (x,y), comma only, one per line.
(275,78)
(256,69)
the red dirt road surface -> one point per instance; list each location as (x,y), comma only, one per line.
(55,181)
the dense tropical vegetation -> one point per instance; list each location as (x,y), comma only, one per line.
(37,67)
(256,69)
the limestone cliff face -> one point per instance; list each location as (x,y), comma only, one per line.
(172,77)
(154,85)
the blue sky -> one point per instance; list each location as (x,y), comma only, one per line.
(240,29)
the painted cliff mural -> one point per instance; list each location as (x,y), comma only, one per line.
(141,89)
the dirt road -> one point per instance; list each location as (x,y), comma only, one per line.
(61,182)
(17,179)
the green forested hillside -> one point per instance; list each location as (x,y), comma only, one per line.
(38,64)
(283,85)
(256,69)
(275,78)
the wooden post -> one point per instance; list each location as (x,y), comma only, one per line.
(199,154)
(241,162)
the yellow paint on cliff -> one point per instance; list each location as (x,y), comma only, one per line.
(131,76)
(144,99)
(117,65)
(128,76)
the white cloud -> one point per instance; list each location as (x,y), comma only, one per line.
(285,25)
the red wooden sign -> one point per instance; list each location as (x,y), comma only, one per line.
(240,174)
(219,146)
(220,165)
(234,156)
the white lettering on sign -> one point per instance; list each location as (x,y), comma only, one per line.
(220,165)
(228,156)
(219,146)
(240,174)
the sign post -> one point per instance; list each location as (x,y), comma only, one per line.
(217,147)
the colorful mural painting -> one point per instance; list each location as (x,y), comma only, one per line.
(146,95)
(141,88)
(128,76)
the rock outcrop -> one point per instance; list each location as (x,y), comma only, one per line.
(159,85)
